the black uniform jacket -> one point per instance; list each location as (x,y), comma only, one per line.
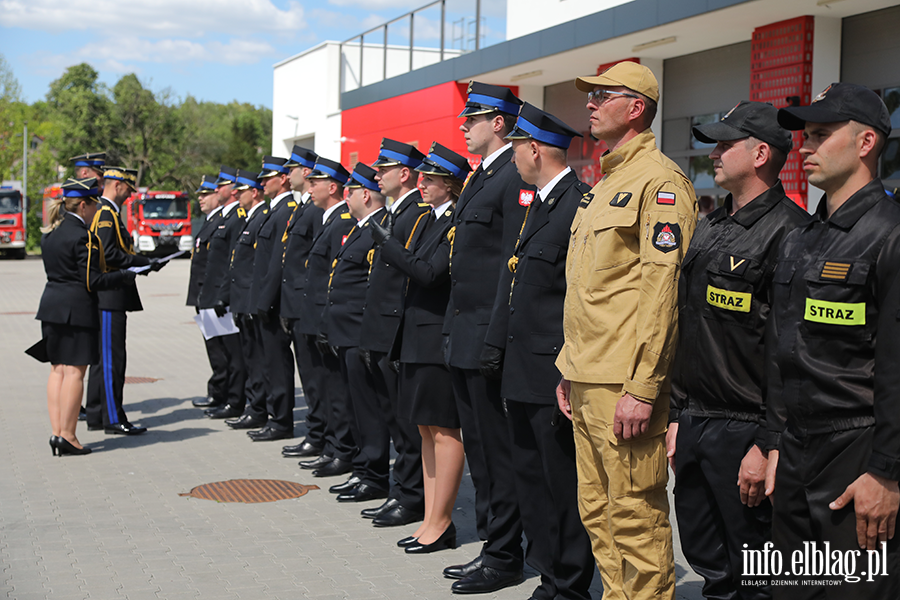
(118,250)
(302,228)
(489,215)
(833,335)
(199,257)
(384,296)
(724,299)
(535,334)
(217,280)
(325,246)
(73,261)
(242,262)
(428,269)
(265,293)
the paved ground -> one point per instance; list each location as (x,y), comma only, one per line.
(112,525)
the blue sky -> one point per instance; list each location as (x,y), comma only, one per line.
(217,50)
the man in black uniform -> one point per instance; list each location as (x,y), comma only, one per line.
(250,196)
(410,218)
(326,190)
(832,344)
(489,216)
(302,229)
(216,387)
(718,387)
(90,165)
(543,446)
(216,292)
(107,379)
(266,297)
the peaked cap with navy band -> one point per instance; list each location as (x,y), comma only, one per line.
(328,169)
(246,180)
(273,166)
(535,124)
(363,176)
(207,185)
(94,160)
(227,176)
(394,153)
(444,162)
(80,188)
(302,157)
(485,98)
(129,176)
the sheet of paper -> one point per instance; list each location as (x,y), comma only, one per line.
(212,326)
(161,260)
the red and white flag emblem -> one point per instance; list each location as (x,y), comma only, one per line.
(665,198)
(344,240)
(526,197)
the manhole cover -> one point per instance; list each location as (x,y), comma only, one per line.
(250,490)
(140,380)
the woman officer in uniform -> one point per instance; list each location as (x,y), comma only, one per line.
(73,261)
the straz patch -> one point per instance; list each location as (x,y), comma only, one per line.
(621,199)
(666,236)
(667,198)
(835,271)
(586,199)
(728,300)
(526,197)
(835,313)
(734,265)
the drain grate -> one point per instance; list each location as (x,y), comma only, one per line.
(250,490)
(140,379)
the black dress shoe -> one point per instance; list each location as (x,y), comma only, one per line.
(207,402)
(486,580)
(371,513)
(125,428)
(269,434)
(407,541)
(304,449)
(62,446)
(363,493)
(82,414)
(446,540)
(400,515)
(347,486)
(461,571)
(337,466)
(245,422)
(316,462)
(224,412)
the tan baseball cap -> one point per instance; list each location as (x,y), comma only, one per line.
(628,74)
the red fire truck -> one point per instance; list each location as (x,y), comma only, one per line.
(12,221)
(159,222)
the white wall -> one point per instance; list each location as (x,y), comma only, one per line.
(826,70)
(527,16)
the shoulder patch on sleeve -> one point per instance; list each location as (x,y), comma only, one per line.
(104,224)
(667,198)
(666,236)
(620,199)
(526,197)
(586,199)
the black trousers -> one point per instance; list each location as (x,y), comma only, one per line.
(409,484)
(107,378)
(236,371)
(279,374)
(313,380)
(341,424)
(812,472)
(255,386)
(217,384)
(372,462)
(713,524)
(547,486)
(482,417)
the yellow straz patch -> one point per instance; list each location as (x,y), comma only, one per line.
(104,224)
(728,300)
(835,313)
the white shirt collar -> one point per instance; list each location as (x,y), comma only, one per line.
(304,197)
(544,191)
(253,208)
(213,212)
(77,216)
(486,162)
(440,209)
(328,211)
(277,199)
(229,207)
(115,206)
(366,218)
(396,203)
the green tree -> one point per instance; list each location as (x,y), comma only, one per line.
(82,111)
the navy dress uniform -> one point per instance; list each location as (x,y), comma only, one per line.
(266,297)
(832,344)
(90,165)
(242,307)
(340,445)
(381,323)
(216,295)
(107,378)
(543,446)
(304,225)
(724,300)
(489,216)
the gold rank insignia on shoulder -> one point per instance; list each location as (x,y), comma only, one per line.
(292,204)
(734,264)
(345,215)
(424,204)
(835,271)
(586,199)
(104,224)
(512,263)
(448,212)
(241,212)
(619,200)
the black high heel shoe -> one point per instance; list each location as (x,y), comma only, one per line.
(53,447)
(447,540)
(407,541)
(65,447)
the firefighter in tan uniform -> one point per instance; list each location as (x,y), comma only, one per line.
(620,322)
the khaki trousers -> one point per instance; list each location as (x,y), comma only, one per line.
(622,496)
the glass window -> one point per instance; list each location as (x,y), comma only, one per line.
(700,172)
(702,120)
(890,159)
(165,209)
(892,100)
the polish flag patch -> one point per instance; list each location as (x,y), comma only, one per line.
(665,198)
(344,240)
(526,197)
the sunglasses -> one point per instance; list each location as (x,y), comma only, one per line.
(598,97)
